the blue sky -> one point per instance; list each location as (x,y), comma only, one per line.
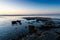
(29,6)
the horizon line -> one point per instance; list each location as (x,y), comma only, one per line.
(28,14)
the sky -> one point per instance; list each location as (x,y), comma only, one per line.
(29,6)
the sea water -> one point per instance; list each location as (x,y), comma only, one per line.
(7,30)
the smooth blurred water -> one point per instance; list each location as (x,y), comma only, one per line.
(7,29)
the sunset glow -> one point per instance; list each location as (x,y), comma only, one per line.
(28,7)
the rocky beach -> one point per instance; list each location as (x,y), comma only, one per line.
(31,28)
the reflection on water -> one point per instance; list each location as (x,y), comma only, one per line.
(6,28)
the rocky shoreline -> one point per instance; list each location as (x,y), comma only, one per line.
(33,28)
(35,33)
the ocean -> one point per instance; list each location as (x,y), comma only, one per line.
(8,30)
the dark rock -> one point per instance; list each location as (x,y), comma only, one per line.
(19,21)
(38,33)
(14,22)
(32,29)
(58,33)
(45,27)
(37,20)
(58,38)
